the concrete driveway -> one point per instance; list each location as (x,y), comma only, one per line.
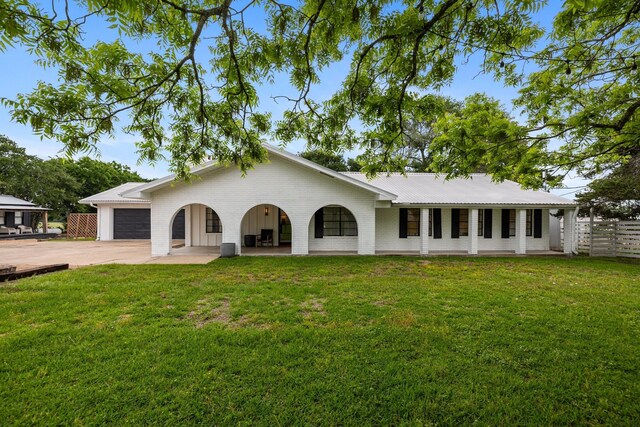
(27,253)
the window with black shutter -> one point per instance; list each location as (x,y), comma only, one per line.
(459,223)
(508,223)
(409,222)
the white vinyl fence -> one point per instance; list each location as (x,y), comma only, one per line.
(609,238)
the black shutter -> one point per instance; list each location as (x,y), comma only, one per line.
(437,223)
(488,223)
(505,223)
(537,223)
(404,216)
(319,224)
(455,223)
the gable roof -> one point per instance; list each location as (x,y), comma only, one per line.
(412,188)
(273,151)
(478,189)
(114,195)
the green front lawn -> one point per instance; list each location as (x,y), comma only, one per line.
(313,340)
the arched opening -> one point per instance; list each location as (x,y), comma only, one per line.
(195,229)
(266,229)
(333,228)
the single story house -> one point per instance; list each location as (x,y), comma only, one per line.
(16,214)
(292,202)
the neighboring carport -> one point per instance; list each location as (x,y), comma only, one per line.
(15,212)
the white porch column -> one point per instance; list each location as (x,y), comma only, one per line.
(187,226)
(299,236)
(424,231)
(569,227)
(473,231)
(521,231)
(160,232)
(367,233)
(231,231)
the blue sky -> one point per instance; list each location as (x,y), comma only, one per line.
(19,74)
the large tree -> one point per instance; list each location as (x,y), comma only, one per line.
(616,195)
(196,94)
(421,131)
(56,183)
(328,160)
(95,176)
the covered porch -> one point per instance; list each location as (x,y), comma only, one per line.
(485,231)
(19,217)
(266,229)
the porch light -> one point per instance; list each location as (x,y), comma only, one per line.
(266,211)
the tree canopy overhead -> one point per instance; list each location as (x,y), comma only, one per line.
(196,94)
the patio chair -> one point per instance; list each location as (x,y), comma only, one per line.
(266,237)
(7,230)
(25,230)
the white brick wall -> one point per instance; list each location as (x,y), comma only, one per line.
(299,191)
(240,201)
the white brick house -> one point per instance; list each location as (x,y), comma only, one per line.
(290,201)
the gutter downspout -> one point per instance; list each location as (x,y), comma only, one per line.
(97,220)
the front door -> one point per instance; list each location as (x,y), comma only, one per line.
(284,228)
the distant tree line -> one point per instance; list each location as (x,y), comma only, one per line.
(57,183)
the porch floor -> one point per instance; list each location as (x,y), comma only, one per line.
(286,250)
(266,251)
(480,253)
(196,250)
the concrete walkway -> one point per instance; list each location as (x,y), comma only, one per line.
(76,253)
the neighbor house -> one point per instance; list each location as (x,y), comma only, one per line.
(16,215)
(291,202)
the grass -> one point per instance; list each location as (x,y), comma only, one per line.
(329,341)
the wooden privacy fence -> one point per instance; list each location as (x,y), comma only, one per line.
(82,225)
(609,238)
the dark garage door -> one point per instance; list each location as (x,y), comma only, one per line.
(136,224)
(132,223)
